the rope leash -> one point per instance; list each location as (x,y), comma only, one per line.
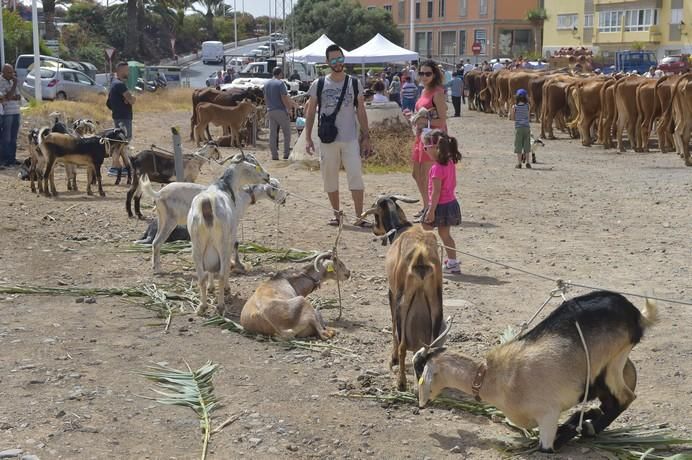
(588,378)
(336,260)
(568,283)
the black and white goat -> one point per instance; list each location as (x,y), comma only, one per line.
(72,150)
(535,377)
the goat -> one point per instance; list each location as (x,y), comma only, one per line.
(173,205)
(414,273)
(38,162)
(213,224)
(84,127)
(160,167)
(228,98)
(89,152)
(536,376)
(219,115)
(278,306)
(535,144)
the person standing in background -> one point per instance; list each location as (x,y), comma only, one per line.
(278,104)
(10,118)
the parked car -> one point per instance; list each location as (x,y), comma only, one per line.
(61,84)
(24,62)
(677,63)
(211,80)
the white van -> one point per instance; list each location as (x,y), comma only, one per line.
(24,61)
(212,52)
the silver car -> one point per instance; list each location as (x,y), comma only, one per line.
(61,84)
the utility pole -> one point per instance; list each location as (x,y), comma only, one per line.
(2,39)
(411,26)
(37,55)
(235,23)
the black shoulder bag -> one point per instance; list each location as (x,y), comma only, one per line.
(326,124)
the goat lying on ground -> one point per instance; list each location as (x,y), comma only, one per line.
(160,167)
(213,225)
(218,115)
(89,152)
(173,205)
(415,280)
(535,377)
(278,306)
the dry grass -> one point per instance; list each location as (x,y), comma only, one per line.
(392,149)
(94,106)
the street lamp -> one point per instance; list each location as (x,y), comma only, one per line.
(235,23)
(37,55)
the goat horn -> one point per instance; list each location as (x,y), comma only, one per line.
(368,213)
(404,198)
(440,338)
(319,257)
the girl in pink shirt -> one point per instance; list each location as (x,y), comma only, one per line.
(443,208)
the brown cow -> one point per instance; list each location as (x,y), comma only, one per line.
(554,102)
(589,106)
(518,80)
(682,111)
(664,89)
(648,110)
(626,103)
(608,116)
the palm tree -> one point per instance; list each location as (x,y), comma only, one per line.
(209,9)
(49,18)
(132,40)
(537,18)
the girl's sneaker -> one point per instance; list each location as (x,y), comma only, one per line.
(453,267)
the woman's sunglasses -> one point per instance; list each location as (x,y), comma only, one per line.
(335,61)
(425,74)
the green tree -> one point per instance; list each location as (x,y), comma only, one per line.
(344,21)
(209,9)
(17,35)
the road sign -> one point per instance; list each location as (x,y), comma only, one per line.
(476,48)
(109,53)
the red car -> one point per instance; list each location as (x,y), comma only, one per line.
(676,63)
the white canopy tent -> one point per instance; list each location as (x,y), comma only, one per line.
(377,50)
(314,52)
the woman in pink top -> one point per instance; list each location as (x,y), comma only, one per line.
(434,100)
(443,210)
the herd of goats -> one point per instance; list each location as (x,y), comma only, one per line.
(532,378)
(594,107)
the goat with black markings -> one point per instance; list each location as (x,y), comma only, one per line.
(159,167)
(535,377)
(414,273)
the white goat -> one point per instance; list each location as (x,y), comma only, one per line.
(173,205)
(534,378)
(213,225)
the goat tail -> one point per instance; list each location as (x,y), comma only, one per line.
(207,212)
(147,189)
(650,314)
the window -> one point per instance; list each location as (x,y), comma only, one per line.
(441,8)
(417,9)
(566,21)
(588,21)
(462,43)
(81,78)
(448,43)
(402,10)
(371,8)
(483,7)
(640,20)
(67,76)
(463,7)
(430,8)
(424,43)
(609,21)
(480,36)
(676,16)
(388,8)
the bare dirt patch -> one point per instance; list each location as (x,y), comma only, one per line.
(68,381)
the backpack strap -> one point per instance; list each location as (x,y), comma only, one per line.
(355,92)
(320,87)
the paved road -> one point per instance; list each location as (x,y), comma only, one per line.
(198,72)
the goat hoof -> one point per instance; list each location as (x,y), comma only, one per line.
(546,451)
(102,194)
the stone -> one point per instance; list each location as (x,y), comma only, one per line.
(455,450)
(29,457)
(9,453)
(254,442)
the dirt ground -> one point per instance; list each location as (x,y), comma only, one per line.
(68,381)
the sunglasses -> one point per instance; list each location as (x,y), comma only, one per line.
(335,61)
(425,74)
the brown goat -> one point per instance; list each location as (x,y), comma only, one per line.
(414,272)
(278,306)
(234,117)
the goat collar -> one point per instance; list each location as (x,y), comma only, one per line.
(478,381)
(317,281)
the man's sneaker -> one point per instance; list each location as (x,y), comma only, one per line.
(451,267)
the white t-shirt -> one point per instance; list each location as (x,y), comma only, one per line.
(380,98)
(497,66)
(346,118)
(468,67)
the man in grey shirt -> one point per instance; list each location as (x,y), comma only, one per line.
(278,103)
(348,146)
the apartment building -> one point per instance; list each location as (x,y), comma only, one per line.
(664,26)
(446,29)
